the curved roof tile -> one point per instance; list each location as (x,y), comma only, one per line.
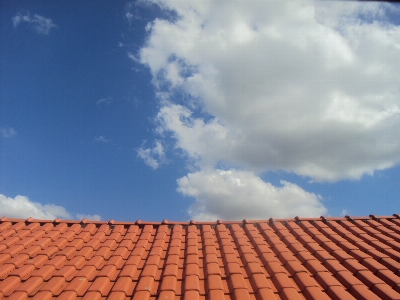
(311,258)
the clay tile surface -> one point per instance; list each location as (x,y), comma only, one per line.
(300,258)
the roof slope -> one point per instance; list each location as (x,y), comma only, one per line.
(320,258)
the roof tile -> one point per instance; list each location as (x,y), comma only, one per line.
(216,295)
(282,281)
(259,281)
(9,283)
(242,294)
(123,284)
(169,283)
(290,293)
(326,280)
(87,271)
(57,261)
(18,260)
(67,295)
(388,277)
(23,272)
(101,285)
(337,292)
(145,284)
(362,292)
(45,272)
(385,292)
(336,258)
(192,283)
(30,285)
(18,296)
(5,270)
(78,285)
(305,281)
(53,285)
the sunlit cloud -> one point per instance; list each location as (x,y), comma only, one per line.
(152,157)
(22,207)
(295,86)
(300,93)
(236,195)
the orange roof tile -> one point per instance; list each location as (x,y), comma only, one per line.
(300,258)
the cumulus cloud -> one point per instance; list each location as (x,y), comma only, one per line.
(235,195)
(7,132)
(152,157)
(40,24)
(308,87)
(22,207)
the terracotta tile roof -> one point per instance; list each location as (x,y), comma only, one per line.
(300,258)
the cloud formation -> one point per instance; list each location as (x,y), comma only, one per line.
(236,195)
(22,207)
(7,132)
(40,24)
(152,157)
(308,87)
(307,92)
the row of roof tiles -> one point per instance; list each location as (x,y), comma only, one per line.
(193,222)
(325,258)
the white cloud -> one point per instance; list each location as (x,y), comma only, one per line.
(133,57)
(102,139)
(40,24)
(152,157)
(104,101)
(22,207)
(7,132)
(129,17)
(236,195)
(344,212)
(88,217)
(308,87)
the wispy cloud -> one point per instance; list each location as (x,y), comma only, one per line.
(133,57)
(131,11)
(22,207)
(152,157)
(344,212)
(129,16)
(102,139)
(7,132)
(104,101)
(40,24)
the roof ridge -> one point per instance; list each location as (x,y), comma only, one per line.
(193,222)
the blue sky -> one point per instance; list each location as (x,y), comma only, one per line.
(200,110)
